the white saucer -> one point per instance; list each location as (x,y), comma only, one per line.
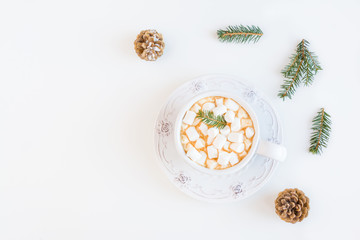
(216,188)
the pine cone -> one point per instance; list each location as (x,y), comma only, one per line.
(149,45)
(292,205)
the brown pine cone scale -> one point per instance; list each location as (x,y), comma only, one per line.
(292,205)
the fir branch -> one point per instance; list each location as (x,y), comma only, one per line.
(240,34)
(289,68)
(302,68)
(209,118)
(314,59)
(321,132)
(289,86)
(313,67)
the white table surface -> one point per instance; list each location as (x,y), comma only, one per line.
(78,109)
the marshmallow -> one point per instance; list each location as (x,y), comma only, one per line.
(196,121)
(212,132)
(203,128)
(235,125)
(246,122)
(229,116)
(247,144)
(226,145)
(243,154)
(203,158)
(219,101)
(212,152)
(220,110)
(234,159)
(242,113)
(200,143)
(189,117)
(211,164)
(236,137)
(188,147)
(194,155)
(192,134)
(184,139)
(249,132)
(219,141)
(203,100)
(208,106)
(232,105)
(223,159)
(225,131)
(237,147)
(195,108)
(210,140)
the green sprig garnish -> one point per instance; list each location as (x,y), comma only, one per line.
(240,34)
(321,132)
(209,118)
(302,68)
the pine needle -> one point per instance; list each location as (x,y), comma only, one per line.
(240,34)
(321,132)
(209,118)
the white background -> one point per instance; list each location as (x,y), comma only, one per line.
(78,107)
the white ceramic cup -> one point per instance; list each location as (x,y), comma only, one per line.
(259,146)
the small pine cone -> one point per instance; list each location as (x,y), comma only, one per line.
(292,205)
(149,45)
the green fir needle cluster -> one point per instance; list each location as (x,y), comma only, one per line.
(302,68)
(240,34)
(321,126)
(209,118)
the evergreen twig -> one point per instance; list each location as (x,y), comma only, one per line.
(240,34)
(302,68)
(209,118)
(321,132)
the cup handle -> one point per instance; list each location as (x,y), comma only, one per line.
(272,150)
